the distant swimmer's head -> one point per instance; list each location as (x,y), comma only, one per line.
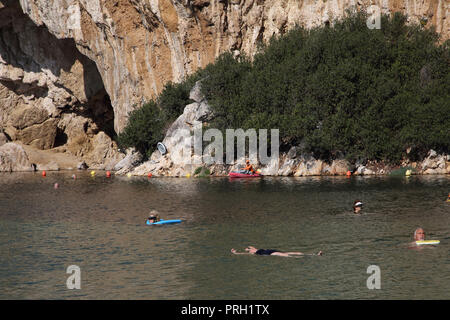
(357,206)
(419,234)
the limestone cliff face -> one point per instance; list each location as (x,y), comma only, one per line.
(78,67)
(51,96)
(138,45)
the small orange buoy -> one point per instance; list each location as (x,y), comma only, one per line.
(149,175)
(44,173)
(349,173)
(108,174)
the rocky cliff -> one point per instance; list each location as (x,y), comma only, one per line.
(71,70)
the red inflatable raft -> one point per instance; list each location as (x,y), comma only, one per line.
(243,175)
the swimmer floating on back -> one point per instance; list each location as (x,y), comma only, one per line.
(270,252)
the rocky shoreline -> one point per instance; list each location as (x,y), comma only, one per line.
(14,158)
(294,165)
(70,73)
(175,163)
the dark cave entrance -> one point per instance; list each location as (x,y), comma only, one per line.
(103,113)
(33,48)
(60,139)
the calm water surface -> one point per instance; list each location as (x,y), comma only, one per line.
(99,225)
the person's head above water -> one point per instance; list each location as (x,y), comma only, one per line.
(153,216)
(251,249)
(419,234)
(357,206)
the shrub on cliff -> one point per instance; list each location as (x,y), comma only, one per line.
(147,124)
(202,172)
(342,88)
(175,96)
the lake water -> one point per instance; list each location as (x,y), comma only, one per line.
(98,224)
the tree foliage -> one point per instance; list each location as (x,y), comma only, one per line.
(337,89)
(147,124)
(342,89)
(144,129)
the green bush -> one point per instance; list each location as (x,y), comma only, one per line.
(175,96)
(202,172)
(341,89)
(147,125)
(144,129)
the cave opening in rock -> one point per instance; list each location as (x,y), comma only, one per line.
(99,109)
(60,138)
(98,106)
(49,73)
